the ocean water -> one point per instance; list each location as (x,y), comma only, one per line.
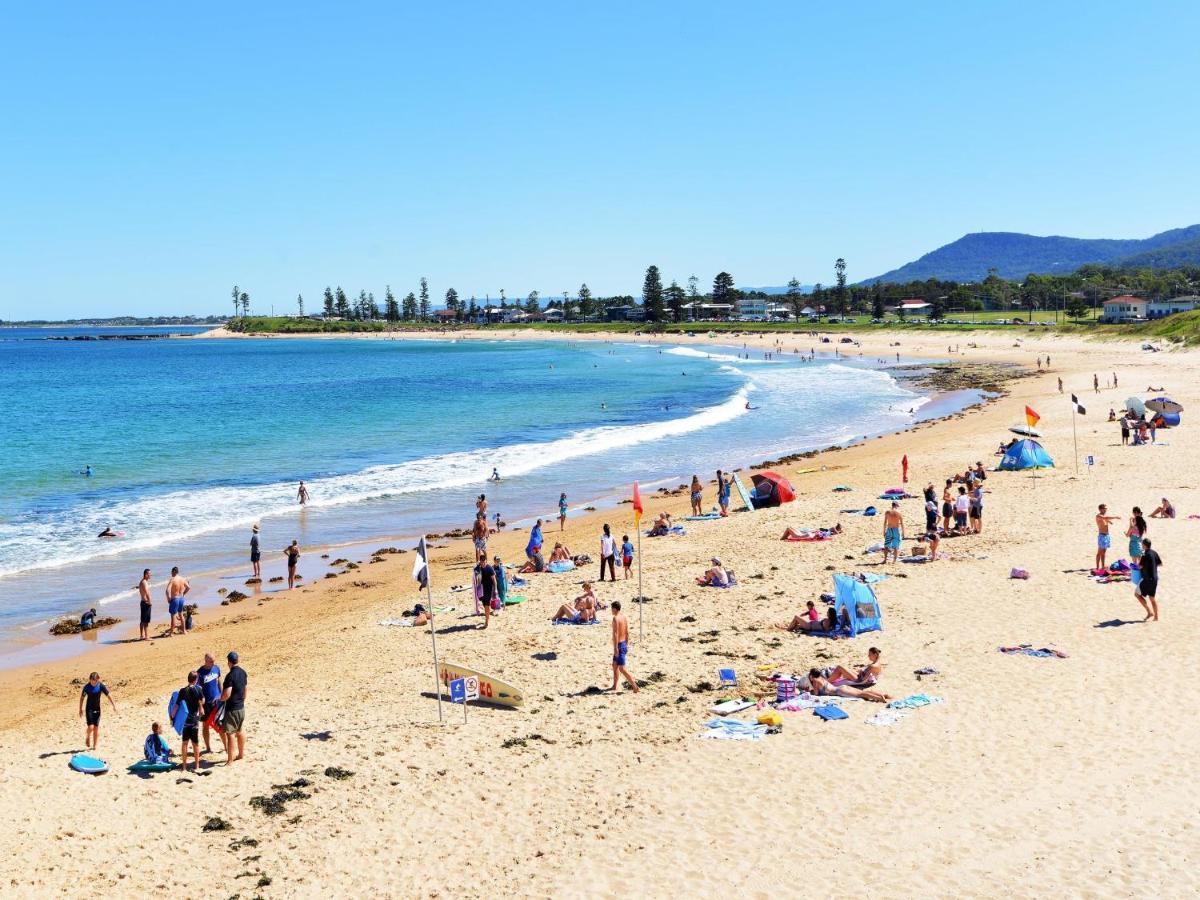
(190,442)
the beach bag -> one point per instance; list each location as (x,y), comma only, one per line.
(1022,574)
(785,689)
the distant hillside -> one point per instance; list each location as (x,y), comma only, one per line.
(1015,255)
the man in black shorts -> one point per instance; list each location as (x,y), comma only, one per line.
(487,588)
(144,594)
(191,698)
(1148,586)
(234,698)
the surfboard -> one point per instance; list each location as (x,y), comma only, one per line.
(741,489)
(88,765)
(180,714)
(491,689)
(144,765)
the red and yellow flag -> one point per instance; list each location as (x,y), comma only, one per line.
(1031,417)
(637,506)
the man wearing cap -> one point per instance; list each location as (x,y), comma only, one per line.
(714,577)
(210,682)
(255,553)
(234,698)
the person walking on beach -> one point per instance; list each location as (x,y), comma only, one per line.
(190,698)
(626,555)
(90,697)
(697,495)
(562,511)
(292,551)
(620,643)
(608,552)
(893,532)
(724,487)
(1103,538)
(479,534)
(302,494)
(177,589)
(144,606)
(234,698)
(487,588)
(1096,382)
(1148,587)
(209,678)
(255,553)
(481,505)
(1060,390)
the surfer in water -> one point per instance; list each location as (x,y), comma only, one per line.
(495,474)
(108,533)
(87,472)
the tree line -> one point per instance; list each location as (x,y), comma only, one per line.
(1074,293)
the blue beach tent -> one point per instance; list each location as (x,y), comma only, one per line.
(1026,454)
(857,606)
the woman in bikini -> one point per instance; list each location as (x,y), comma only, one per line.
(822,688)
(1135,532)
(697,495)
(810,621)
(865,677)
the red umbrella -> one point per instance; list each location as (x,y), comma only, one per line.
(772,488)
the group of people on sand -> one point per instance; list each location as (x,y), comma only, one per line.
(176,591)
(724,492)
(1144,559)
(207,704)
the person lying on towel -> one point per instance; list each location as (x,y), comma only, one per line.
(560,554)
(810,620)
(583,610)
(823,688)
(804,534)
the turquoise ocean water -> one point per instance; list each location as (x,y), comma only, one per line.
(191,442)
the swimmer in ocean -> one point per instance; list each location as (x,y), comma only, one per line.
(107,533)
(87,472)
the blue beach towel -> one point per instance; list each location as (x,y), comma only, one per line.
(829,713)
(573,622)
(707,517)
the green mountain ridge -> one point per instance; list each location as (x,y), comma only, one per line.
(1015,255)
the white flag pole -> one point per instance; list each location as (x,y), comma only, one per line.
(1074,437)
(437,681)
(641,598)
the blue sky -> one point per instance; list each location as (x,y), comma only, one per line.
(152,157)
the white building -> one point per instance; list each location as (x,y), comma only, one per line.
(1126,308)
(1156,309)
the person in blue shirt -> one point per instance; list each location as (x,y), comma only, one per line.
(155,749)
(724,487)
(626,554)
(562,511)
(210,683)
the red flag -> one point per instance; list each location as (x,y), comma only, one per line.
(904,468)
(1031,417)
(637,505)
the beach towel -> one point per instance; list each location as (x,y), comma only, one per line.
(841,488)
(573,622)
(707,517)
(853,512)
(732,583)
(871,578)
(810,537)
(563,565)
(830,713)
(733,730)
(805,702)
(1028,650)
(406,622)
(914,701)
(885,718)
(674,529)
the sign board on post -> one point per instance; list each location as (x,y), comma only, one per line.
(458,690)
(471,688)
(1091,460)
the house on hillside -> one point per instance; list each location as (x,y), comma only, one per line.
(912,307)
(1126,308)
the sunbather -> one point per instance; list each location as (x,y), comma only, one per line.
(559,554)
(822,688)
(805,534)
(863,678)
(582,610)
(809,620)
(714,577)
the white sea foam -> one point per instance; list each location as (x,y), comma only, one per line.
(153,521)
(693,353)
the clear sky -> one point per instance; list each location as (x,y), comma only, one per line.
(154,154)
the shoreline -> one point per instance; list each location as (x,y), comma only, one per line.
(1033,744)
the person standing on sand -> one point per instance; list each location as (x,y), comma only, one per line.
(1103,538)
(947,505)
(562,511)
(302,494)
(1148,586)
(209,677)
(481,505)
(697,496)
(293,557)
(255,553)
(234,698)
(608,552)
(192,699)
(487,588)
(1060,390)
(893,532)
(177,589)
(144,606)
(620,643)
(626,555)
(479,534)
(724,487)
(90,695)
(1095,383)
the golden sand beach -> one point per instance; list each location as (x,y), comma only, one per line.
(1035,776)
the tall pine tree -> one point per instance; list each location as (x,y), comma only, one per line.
(839,294)
(340,304)
(652,295)
(722,288)
(391,307)
(330,310)
(409,308)
(587,306)
(423,301)
(675,299)
(795,296)
(452,303)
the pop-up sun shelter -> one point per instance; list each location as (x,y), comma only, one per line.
(771,489)
(857,607)
(1026,454)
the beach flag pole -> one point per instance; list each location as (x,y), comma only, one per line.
(637,525)
(1075,410)
(421,574)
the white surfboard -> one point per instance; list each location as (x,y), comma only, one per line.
(491,689)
